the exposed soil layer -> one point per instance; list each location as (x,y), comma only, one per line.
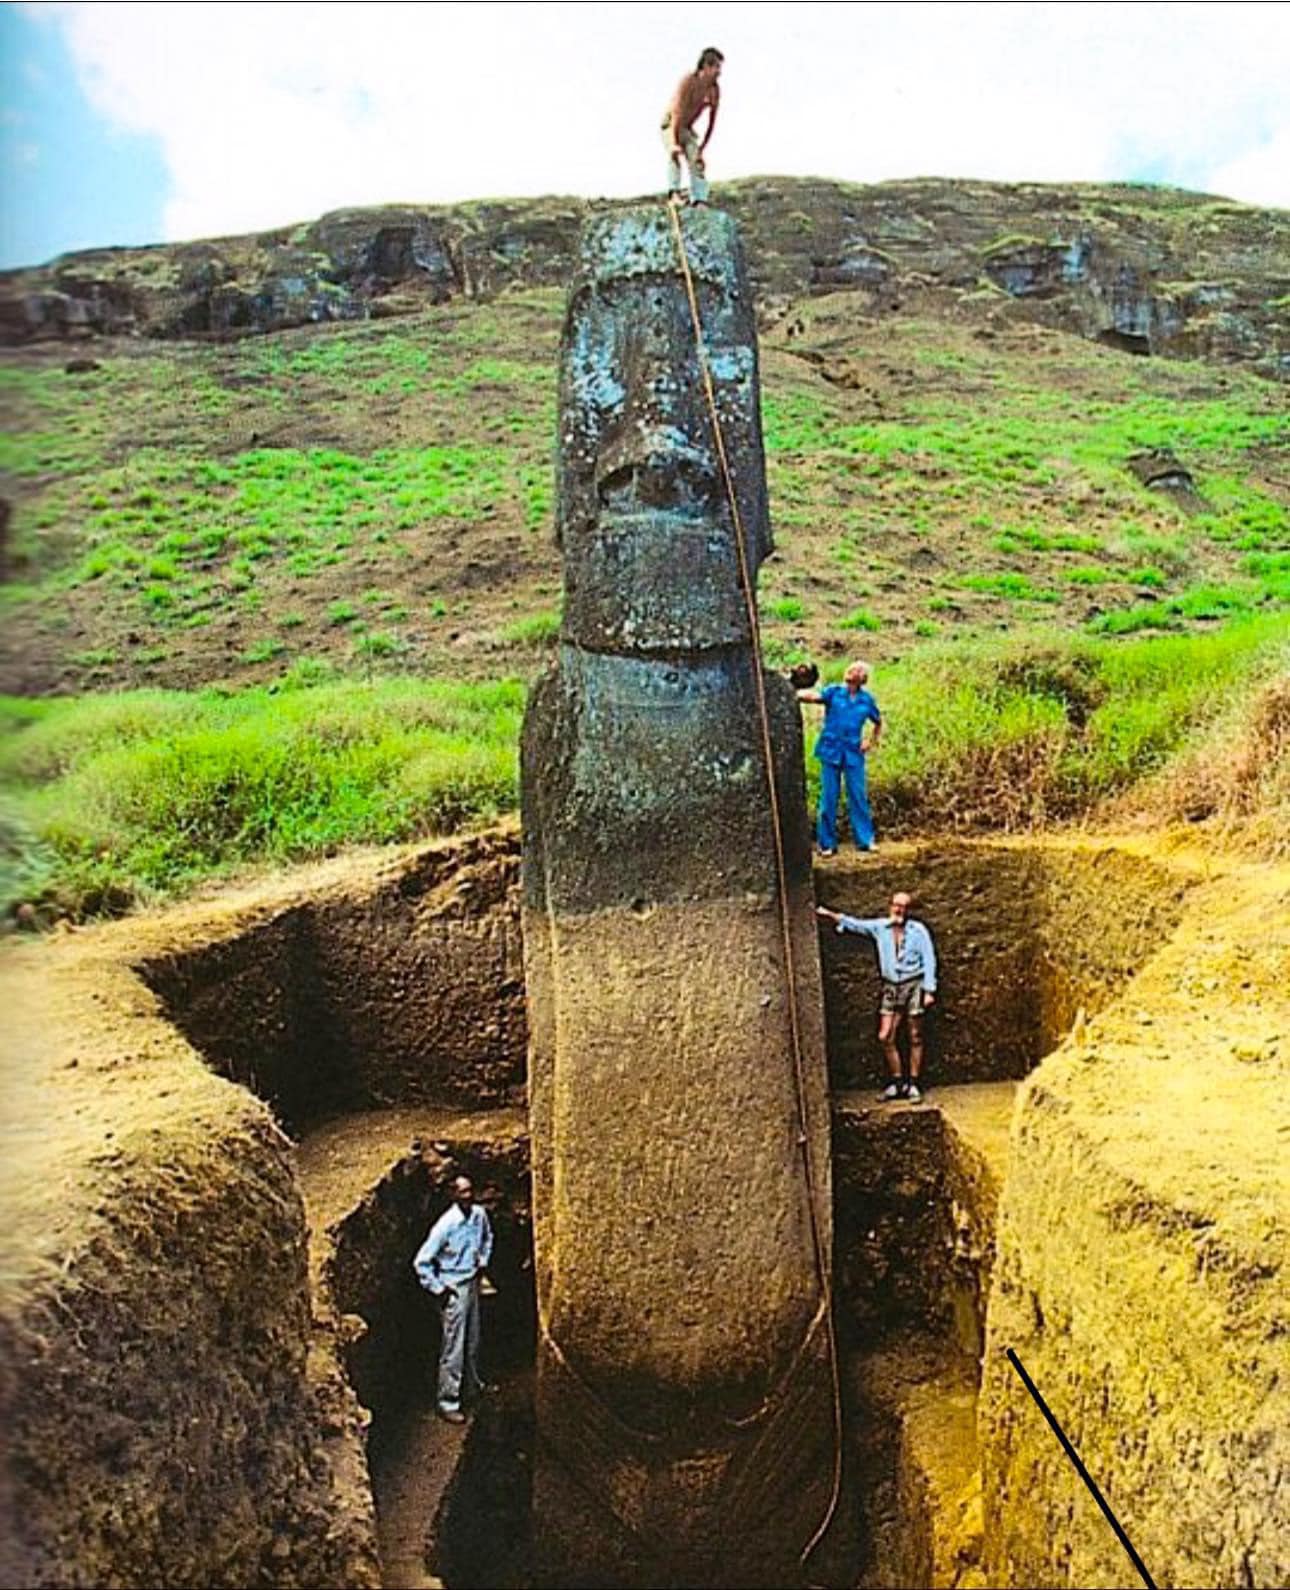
(404,987)
(1143,1250)
(160,1425)
(916,1190)
(178,1355)
(1026,936)
(404,983)
(917,1469)
(373,1184)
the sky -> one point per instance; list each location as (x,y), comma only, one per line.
(124,123)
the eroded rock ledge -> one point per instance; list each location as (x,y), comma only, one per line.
(1145,270)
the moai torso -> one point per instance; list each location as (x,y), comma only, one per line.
(684,1386)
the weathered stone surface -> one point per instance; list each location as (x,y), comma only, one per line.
(684,1393)
(1147,270)
(1160,470)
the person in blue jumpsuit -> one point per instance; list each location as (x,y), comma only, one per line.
(840,751)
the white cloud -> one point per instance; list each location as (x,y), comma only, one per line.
(1260,175)
(269,114)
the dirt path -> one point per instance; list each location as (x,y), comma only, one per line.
(411,1469)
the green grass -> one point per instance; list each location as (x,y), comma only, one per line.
(1199,603)
(115,800)
(1012,587)
(535,629)
(147,498)
(860,618)
(206,526)
(378,644)
(1022,729)
(124,798)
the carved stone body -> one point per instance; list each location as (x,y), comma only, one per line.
(684,1401)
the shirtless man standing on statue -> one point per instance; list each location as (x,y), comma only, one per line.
(696,93)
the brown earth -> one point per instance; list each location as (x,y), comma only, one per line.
(179,1409)
(1143,1252)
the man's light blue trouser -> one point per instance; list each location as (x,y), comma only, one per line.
(831,778)
(459,1354)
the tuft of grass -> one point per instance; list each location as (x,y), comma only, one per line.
(379,643)
(536,629)
(1235,777)
(860,618)
(785,609)
(1011,587)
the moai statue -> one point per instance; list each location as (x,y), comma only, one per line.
(685,1398)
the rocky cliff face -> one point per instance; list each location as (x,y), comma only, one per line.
(1149,270)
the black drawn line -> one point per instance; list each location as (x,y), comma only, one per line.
(1083,1473)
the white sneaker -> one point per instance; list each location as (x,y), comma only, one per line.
(912,1093)
(891,1091)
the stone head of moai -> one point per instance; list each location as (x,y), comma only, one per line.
(644,518)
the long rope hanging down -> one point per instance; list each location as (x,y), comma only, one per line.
(822,1268)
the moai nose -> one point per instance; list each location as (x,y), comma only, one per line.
(645,465)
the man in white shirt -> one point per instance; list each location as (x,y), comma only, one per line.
(450,1263)
(907,965)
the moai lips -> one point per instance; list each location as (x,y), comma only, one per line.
(685,1400)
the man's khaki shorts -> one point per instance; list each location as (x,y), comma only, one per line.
(903,999)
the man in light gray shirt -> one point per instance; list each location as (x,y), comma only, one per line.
(450,1263)
(907,965)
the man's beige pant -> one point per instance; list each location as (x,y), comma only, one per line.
(693,159)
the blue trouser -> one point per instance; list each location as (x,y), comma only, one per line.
(858,811)
(459,1351)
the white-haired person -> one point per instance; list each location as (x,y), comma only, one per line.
(841,750)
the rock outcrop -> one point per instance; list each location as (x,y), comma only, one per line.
(684,1402)
(1147,270)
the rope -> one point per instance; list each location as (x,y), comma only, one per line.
(781,867)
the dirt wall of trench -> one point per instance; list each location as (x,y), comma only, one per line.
(162,1418)
(160,1426)
(914,1209)
(408,986)
(1140,1279)
(404,987)
(1026,936)
(392,1346)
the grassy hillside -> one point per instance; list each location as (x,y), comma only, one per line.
(288,525)
(380,495)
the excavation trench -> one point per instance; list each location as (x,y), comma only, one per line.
(384,1027)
